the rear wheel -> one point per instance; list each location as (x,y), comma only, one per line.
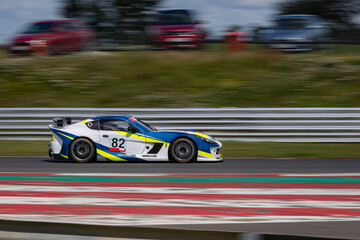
(82,150)
(182,150)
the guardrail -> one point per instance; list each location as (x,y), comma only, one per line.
(236,124)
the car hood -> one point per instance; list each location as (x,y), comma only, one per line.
(191,132)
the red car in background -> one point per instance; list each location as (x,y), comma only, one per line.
(52,37)
(176,29)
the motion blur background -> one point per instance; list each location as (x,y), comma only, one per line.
(125,18)
(184,54)
(239,59)
(269,78)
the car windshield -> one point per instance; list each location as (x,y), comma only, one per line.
(37,28)
(142,124)
(291,23)
(175,18)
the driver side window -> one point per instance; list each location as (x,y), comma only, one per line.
(114,125)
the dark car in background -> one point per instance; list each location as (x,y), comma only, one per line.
(52,37)
(176,29)
(296,33)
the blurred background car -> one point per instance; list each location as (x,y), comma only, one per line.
(176,29)
(298,32)
(52,37)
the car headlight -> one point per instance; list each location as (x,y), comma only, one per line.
(207,140)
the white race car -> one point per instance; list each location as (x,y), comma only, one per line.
(125,138)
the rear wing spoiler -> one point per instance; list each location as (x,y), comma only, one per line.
(60,121)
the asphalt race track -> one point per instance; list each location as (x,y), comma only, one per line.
(256,165)
(347,229)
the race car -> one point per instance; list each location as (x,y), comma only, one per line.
(125,138)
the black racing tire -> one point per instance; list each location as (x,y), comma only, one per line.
(182,150)
(82,150)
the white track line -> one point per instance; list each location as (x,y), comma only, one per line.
(89,201)
(266,191)
(113,174)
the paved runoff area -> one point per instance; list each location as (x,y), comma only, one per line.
(168,199)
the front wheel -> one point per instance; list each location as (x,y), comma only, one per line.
(82,150)
(182,150)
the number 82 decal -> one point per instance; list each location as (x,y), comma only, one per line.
(118,143)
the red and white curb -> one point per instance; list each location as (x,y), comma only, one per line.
(159,203)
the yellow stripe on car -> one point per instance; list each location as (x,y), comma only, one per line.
(130,135)
(65,135)
(84,121)
(195,133)
(109,156)
(145,139)
(64,156)
(205,154)
(202,135)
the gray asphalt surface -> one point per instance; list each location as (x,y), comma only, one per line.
(44,164)
(315,230)
(336,230)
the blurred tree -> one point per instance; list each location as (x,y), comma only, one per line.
(341,13)
(120,20)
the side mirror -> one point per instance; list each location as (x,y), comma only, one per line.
(131,129)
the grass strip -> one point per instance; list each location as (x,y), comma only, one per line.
(208,78)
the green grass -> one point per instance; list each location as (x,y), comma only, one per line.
(229,149)
(208,78)
(24,148)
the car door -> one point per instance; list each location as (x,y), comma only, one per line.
(115,135)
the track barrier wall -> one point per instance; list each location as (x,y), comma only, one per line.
(233,124)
